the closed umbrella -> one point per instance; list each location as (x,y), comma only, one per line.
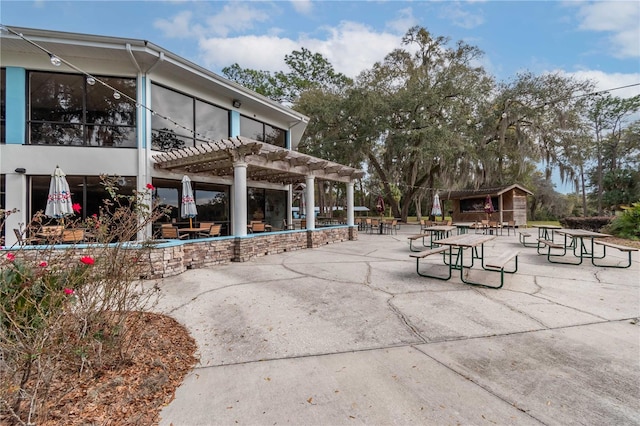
(436,210)
(59,199)
(188,206)
(488,206)
(380,204)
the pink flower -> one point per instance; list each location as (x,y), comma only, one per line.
(43,264)
(150,186)
(87,260)
(68,291)
(76,207)
(11,257)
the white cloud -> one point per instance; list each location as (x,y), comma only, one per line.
(350,48)
(233,18)
(304,7)
(179,26)
(606,81)
(620,18)
(403,22)
(256,52)
(460,17)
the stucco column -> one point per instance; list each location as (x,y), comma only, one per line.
(16,184)
(311,202)
(289,204)
(239,199)
(350,221)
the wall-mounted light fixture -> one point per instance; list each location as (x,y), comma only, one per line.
(236,103)
(20,170)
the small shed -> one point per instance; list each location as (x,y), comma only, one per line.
(510,203)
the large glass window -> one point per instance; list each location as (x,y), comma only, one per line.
(3,105)
(209,121)
(69,109)
(262,132)
(212,201)
(87,191)
(269,206)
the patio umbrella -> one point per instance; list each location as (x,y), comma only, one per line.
(188,207)
(436,210)
(380,204)
(488,206)
(59,199)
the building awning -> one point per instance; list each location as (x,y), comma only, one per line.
(265,162)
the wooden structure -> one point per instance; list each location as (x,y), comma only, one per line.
(510,204)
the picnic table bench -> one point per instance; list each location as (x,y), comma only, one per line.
(582,244)
(453,249)
(619,247)
(523,235)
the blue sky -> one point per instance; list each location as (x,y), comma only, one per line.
(593,40)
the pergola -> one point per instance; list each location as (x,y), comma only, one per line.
(247,159)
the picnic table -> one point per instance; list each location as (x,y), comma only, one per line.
(453,249)
(435,232)
(581,243)
(546,231)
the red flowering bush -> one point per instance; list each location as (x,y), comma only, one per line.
(70,308)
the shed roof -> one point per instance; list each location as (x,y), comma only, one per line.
(265,162)
(474,193)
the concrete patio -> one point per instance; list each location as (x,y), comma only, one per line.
(348,333)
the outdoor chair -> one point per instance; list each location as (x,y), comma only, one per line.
(258,227)
(50,233)
(391,227)
(172,233)
(374,225)
(206,225)
(303,224)
(510,225)
(493,225)
(72,236)
(23,239)
(214,231)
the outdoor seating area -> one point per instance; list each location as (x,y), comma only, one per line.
(466,252)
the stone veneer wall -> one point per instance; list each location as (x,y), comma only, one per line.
(170,258)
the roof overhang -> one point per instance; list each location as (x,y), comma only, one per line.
(265,162)
(475,193)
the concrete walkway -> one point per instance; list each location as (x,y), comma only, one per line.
(349,334)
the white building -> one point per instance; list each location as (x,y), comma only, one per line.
(105,105)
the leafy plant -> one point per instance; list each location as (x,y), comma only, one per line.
(72,309)
(627,223)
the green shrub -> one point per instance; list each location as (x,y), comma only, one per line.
(626,223)
(62,311)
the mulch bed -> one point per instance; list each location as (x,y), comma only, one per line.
(130,394)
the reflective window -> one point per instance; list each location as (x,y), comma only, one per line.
(212,122)
(212,201)
(87,191)
(66,109)
(262,132)
(209,121)
(269,206)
